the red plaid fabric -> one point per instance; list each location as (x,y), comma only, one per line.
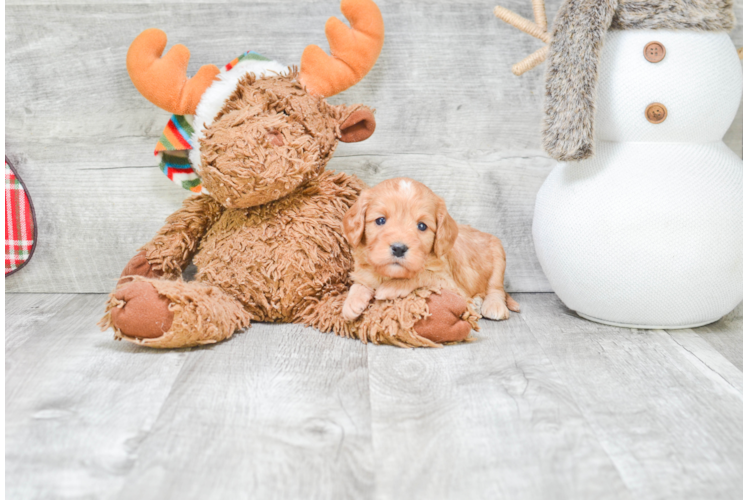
(20,227)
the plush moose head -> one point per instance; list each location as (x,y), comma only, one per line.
(262,130)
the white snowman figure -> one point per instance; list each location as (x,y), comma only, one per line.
(640,224)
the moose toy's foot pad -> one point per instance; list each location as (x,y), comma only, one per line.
(20,222)
(445,323)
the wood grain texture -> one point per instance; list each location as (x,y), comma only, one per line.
(278,411)
(745,439)
(737,33)
(449,112)
(668,420)
(77,403)
(489,419)
(707,359)
(30,312)
(726,336)
(544,405)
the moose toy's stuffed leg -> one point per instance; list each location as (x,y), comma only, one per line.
(422,319)
(162,313)
(169,252)
(148,309)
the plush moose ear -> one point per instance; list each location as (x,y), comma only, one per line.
(446,230)
(355,220)
(358,126)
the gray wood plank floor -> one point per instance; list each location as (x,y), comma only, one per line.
(544,405)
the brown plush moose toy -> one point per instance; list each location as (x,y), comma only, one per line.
(265,232)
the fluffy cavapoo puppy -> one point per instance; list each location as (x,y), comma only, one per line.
(403,239)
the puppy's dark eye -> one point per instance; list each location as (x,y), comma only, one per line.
(380,221)
(422,226)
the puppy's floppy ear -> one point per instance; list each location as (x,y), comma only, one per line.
(355,220)
(358,125)
(446,230)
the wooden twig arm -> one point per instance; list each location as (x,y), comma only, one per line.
(538,29)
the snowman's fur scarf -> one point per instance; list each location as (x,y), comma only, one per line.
(577,40)
(571,77)
(700,15)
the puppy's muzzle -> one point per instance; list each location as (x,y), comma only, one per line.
(398,249)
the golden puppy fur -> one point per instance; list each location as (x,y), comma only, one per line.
(403,239)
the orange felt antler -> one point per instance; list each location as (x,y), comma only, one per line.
(163,80)
(354,50)
(538,29)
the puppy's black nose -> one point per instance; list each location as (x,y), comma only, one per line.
(398,249)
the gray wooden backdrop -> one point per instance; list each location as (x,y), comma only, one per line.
(449,113)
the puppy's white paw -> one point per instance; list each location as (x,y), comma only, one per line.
(353,308)
(390,293)
(494,307)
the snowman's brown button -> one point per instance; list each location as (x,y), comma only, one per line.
(654,52)
(656,112)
